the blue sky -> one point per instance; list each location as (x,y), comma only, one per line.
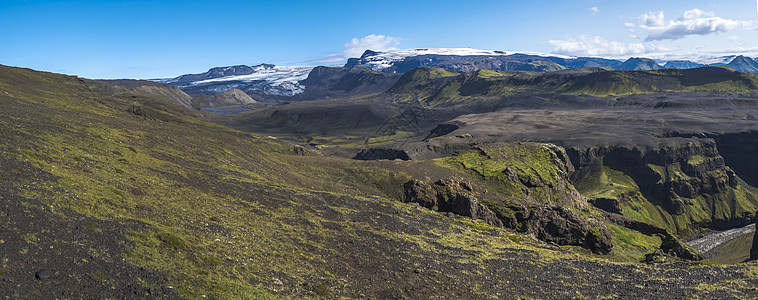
(155,39)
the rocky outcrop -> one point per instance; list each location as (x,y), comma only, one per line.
(467,205)
(607,204)
(562,226)
(540,172)
(548,223)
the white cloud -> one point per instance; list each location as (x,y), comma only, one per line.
(706,54)
(692,22)
(598,46)
(356,47)
(652,20)
(657,30)
(630,26)
(375,42)
(594,10)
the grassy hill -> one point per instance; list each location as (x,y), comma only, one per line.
(121,195)
(488,84)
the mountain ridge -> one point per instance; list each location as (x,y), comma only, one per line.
(270,83)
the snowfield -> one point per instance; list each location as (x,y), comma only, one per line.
(277,75)
(384,60)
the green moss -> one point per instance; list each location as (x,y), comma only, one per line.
(487,73)
(616,183)
(419,83)
(606,183)
(697,160)
(172,241)
(92,226)
(505,168)
(530,160)
(31,238)
(100,275)
(516,238)
(477,224)
(630,245)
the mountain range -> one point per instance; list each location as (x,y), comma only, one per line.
(270,83)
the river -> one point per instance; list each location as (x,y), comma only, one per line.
(710,241)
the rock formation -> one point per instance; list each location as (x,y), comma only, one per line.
(549,223)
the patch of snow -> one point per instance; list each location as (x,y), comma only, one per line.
(266,79)
(277,75)
(717,60)
(384,60)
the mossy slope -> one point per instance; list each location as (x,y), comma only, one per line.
(489,84)
(685,188)
(226,214)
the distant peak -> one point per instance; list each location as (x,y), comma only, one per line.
(368,53)
(741,58)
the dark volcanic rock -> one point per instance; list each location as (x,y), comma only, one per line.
(449,195)
(606,204)
(553,224)
(563,226)
(440,130)
(378,153)
(42,274)
(467,205)
(740,152)
(419,192)
(59,264)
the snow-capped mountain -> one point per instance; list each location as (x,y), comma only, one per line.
(380,61)
(266,82)
(456,59)
(263,79)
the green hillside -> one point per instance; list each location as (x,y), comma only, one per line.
(127,196)
(488,84)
